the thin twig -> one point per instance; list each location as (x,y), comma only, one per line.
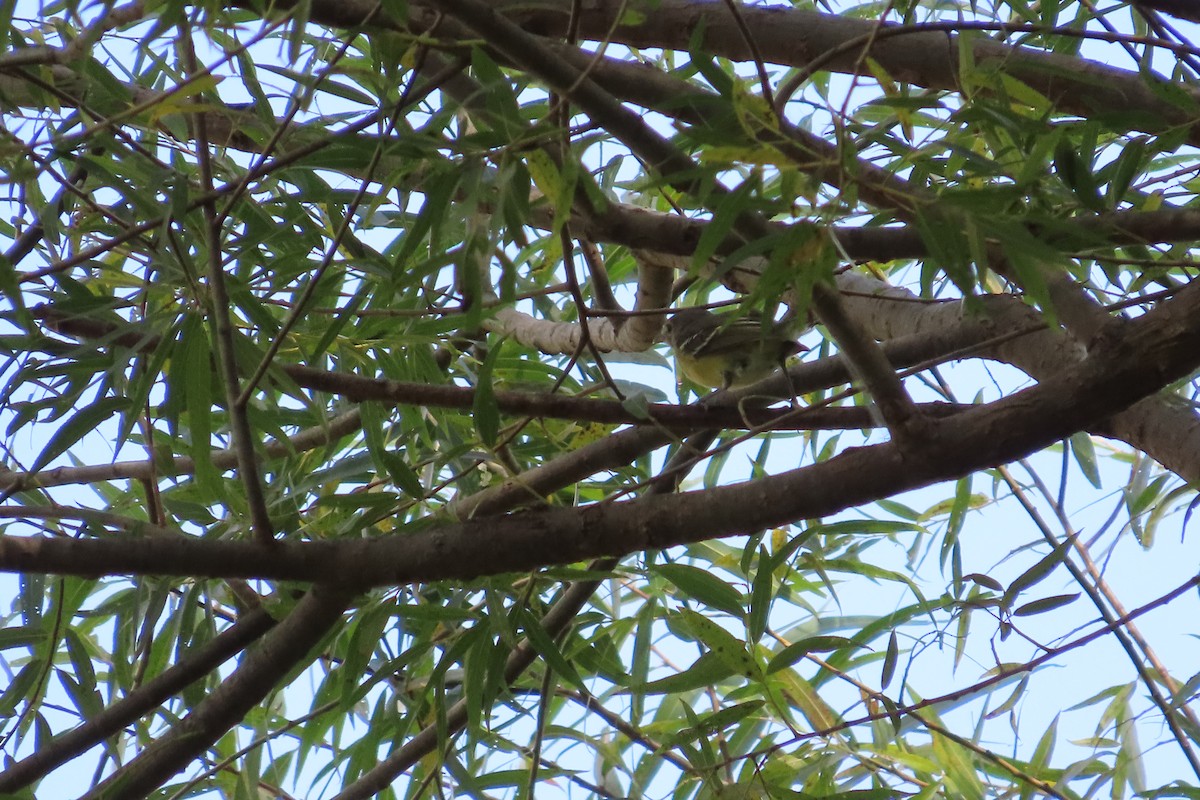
(1110,608)
(219,309)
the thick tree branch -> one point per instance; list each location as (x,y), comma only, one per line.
(798,37)
(1147,354)
(1168,431)
(929,58)
(1161,426)
(671,420)
(583,409)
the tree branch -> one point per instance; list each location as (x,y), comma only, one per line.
(192,667)
(1149,352)
(285,647)
(923,55)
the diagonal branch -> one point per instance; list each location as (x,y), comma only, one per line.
(1110,609)
(642,228)
(284,648)
(928,55)
(194,666)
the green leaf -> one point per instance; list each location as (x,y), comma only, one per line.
(761,592)
(484,411)
(21,636)
(80,424)
(805,698)
(1076,172)
(195,356)
(899,509)
(10,288)
(984,580)
(814,644)
(709,724)
(1128,166)
(870,526)
(956,761)
(889,662)
(1045,745)
(1037,572)
(1011,701)
(1085,456)
(1045,604)
(20,688)
(363,637)
(503,114)
(708,670)
(372,417)
(721,642)
(944,236)
(403,475)
(548,649)
(723,221)
(703,587)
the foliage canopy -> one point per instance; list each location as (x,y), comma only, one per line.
(342,457)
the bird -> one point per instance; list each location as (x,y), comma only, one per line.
(722,351)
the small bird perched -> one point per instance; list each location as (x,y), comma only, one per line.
(722,351)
